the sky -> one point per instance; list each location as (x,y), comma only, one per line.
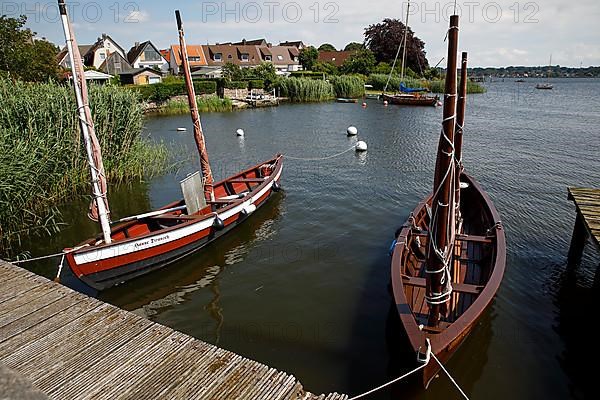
(495,33)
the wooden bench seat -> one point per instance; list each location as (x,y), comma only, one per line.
(456,287)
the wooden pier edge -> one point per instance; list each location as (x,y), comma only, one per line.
(587,220)
(70,346)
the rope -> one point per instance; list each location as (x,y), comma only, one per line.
(321,158)
(17,262)
(424,362)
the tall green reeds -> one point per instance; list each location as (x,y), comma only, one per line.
(211,103)
(305,90)
(378,81)
(42,161)
(348,86)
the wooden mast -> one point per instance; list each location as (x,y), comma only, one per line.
(404,44)
(99,210)
(461,107)
(198,135)
(441,225)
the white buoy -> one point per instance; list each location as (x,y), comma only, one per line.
(181,129)
(439,103)
(364,105)
(352,131)
(361,146)
(385,103)
(240,132)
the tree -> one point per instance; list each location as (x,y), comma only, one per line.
(327,47)
(308,57)
(21,56)
(384,38)
(232,72)
(361,62)
(326,67)
(382,68)
(354,46)
(266,72)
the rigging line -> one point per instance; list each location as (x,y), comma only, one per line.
(321,158)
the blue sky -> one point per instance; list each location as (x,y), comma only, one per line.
(495,33)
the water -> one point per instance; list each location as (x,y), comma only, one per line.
(302,286)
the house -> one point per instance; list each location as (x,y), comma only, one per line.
(93,55)
(256,42)
(297,44)
(243,55)
(196,57)
(145,54)
(141,76)
(336,58)
(284,58)
(100,51)
(115,64)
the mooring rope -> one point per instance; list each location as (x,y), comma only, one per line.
(321,158)
(425,361)
(17,262)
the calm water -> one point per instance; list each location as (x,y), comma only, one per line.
(302,286)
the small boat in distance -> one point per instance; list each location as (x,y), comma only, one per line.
(341,100)
(143,243)
(546,85)
(448,259)
(407,96)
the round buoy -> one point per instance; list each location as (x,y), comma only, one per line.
(364,105)
(361,146)
(276,187)
(181,129)
(240,132)
(218,224)
(385,103)
(439,103)
(352,131)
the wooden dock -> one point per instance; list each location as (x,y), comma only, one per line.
(587,222)
(70,346)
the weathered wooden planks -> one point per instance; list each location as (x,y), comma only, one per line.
(587,222)
(71,346)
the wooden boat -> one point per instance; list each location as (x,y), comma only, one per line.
(448,259)
(411,99)
(144,243)
(340,100)
(546,85)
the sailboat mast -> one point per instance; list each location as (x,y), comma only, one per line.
(198,135)
(461,107)
(94,156)
(441,224)
(404,42)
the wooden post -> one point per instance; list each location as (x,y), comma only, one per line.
(580,235)
(198,135)
(442,205)
(461,106)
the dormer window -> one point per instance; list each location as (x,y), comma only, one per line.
(229,56)
(218,56)
(280,57)
(193,59)
(245,57)
(267,58)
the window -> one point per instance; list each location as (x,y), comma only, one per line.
(151,55)
(102,56)
(193,59)
(230,56)
(117,66)
(218,56)
(245,57)
(280,57)
(267,58)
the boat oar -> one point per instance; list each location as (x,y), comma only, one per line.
(147,215)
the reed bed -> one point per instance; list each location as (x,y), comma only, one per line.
(42,160)
(378,81)
(305,89)
(180,105)
(438,86)
(350,87)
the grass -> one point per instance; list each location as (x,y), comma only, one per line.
(180,105)
(42,160)
(305,89)
(351,87)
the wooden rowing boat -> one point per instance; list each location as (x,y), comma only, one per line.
(144,243)
(152,242)
(411,99)
(449,258)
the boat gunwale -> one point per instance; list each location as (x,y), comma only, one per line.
(441,341)
(86,246)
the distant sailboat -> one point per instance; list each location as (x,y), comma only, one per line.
(407,96)
(546,85)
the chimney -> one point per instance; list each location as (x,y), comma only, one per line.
(137,44)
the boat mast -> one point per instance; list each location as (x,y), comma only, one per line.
(99,208)
(198,135)
(441,224)
(398,54)
(461,106)
(404,40)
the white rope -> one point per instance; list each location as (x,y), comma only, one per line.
(16,262)
(449,376)
(425,362)
(320,158)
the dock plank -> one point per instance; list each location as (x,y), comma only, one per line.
(587,202)
(71,346)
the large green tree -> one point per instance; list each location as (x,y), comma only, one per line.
(361,62)
(266,72)
(354,46)
(384,38)
(308,57)
(22,57)
(327,47)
